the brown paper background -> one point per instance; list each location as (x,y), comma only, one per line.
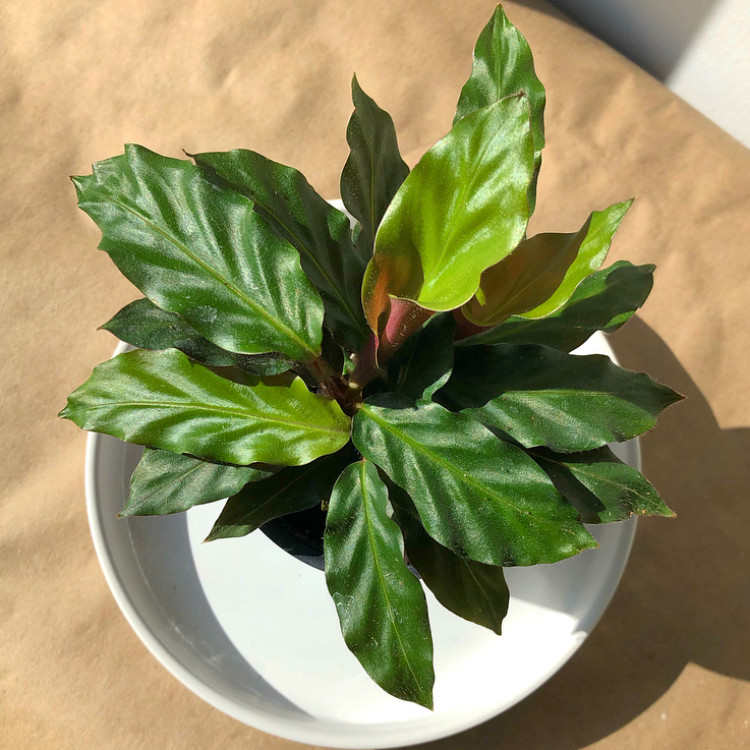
(669,664)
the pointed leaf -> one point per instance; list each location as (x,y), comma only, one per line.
(600,486)
(602,226)
(604,301)
(526,278)
(163,400)
(503,65)
(462,209)
(472,590)
(541,396)
(380,603)
(165,482)
(200,251)
(293,489)
(143,324)
(424,363)
(320,232)
(477,495)
(374,170)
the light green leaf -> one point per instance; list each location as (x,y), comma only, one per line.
(603,301)
(380,603)
(424,363)
(600,486)
(472,590)
(293,489)
(163,400)
(374,170)
(503,65)
(477,495)
(320,232)
(602,226)
(143,324)
(165,482)
(200,251)
(541,396)
(462,209)
(526,278)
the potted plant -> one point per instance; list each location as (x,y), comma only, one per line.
(409,381)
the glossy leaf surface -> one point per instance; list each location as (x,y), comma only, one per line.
(380,603)
(603,301)
(503,65)
(163,400)
(320,232)
(462,209)
(143,324)
(472,590)
(200,251)
(374,170)
(424,363)
(165,482)
(600,486)
(526,278)
(541,396)
(477,495)
(293,489)
(602,226)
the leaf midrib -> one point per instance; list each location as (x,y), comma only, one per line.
(288,332)
(454,470)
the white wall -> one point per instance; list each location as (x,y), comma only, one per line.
(699,48)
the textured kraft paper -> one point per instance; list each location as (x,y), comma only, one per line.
(669,664)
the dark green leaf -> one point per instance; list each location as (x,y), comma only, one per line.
(380,603)
(320,232)
(165,482)
(541,396)
(434,242)
(143,324)
(603,301)
(293,489)
(472,590)
(602,226)
(477,495)
(374,170)
(423,364)
(503,65)
(201,251)
(600,486)
(163,400)
(526,278)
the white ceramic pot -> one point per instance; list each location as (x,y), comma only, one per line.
(254,632)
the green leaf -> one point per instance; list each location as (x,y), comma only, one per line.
(424,363)
(374,170)
(462,209)
(541,396)
(163,400)
(293,489)
(600,486)
(165,482)
(503,65)
(602,226)
(200,251)
(477,495)
(603,301)
(526,278)
(472,590)
(143,324)
(380,603)
(320,232)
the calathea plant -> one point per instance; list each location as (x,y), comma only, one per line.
(411,377)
